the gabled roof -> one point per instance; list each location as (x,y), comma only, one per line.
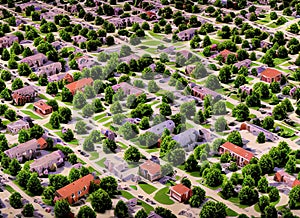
(238,150)
(180,189)
(42,105)
(74,86)
(21,148)
(27,90)
(270,73)
(151,167)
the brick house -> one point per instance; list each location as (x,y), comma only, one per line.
(289,180)
(36,60)
(270,75)
(201,91)
(7,41)
(77,189)
(241,155)
(16,126)
(49,69)
(79,85)
(180,192)
(24,95)
(42,108)
(225,54)
(150,170)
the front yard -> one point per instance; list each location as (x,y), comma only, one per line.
(163,197)
(149,189)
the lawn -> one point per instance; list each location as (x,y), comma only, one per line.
(32,115)
(9,189)
(278,61)
(92,170)
(43,97)
(101,162)
(152,150)
(155,35)
(133,187)
(81,161)
(49,126)
(127,195)
(94,155)
(229,105)
(99,116)
(236,201)
(152,43)
(122,145)
(230,212)
(30,107)
(149,189)
(189,126)
(108,124)
(23,189)
(103,119)
(146,206)
(162,196)
(73,142)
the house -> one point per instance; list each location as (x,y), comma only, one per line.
(109,134)
(282,176)
(188,139)
(159,128)
(79,85)
(16,126)
(255,130)
(42,143)
(79,39)
(25,150)
(186,35)
(49,69)
(42,108)
(150,170)
(59,77)
(244,63)
(48,162)
(36,60)
(151,15)
(116,166)
(225,54)
(74,191)
(7,41)
(24,95)
(152,214)
(180,192)
(270,75)
(127,89)
(241,155)
(85,62)
(246,89)
(128,58)
(201,91)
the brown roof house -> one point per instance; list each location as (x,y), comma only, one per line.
(36,60)
(180,193)
(79,85)
(48,162)
(74,191)
(127,89)
(282,176)
(270,75)
(16,126)
(49,69)
(24,95)
(59,77)
(201,91)
(150,170)
(42,108)
(7,41)
(225,54)
(255,130)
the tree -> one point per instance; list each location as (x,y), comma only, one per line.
(36,131)
(176,156)
(263,202)
(167,169)
(219,108)
(163,212)
(88,144)
(72,158)
(5,55)
(66,95)
(268,123)
(248,181)
(199,71)
(3,143)
(74,175)
(141,214)
(23,177)
(274,194)
(23,136)
(214,177)
(53,103)
(109,184)
(121,210)
(221,124)
(191,164)
(279,112)
(80,127)
(10,114)
(5,75)
(79,100)
(132,154)
(24,69)
(263,185)
(212,209)
(34,184)
(100,201)
(225,74)
(228,190)
(109,145)
(235,138)
(15,200)
(62,208)
(188,109)
(198,197)
(153,87)
(241,112)
(270,212)
(86,212)
(288,105)
(290,166)
(17,84)
(212,82)
(58,181)
(14,167)
(28,210)
(261,138)
(55,120)
(248,196)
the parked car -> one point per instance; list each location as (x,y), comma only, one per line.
(48,210)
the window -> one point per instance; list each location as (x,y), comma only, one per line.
(73,195)
(84,188)
(79,192)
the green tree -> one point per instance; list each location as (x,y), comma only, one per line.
(62,209)
(34,184)
(23,136)
(132,154)
(261,138)
(15,200)
(263,185)
(14,167)
(23,177)
(28,210)
(86,212)
(79,100)
(241,112)
(100,201)
(17,84)
(121,210)
(248,196)
(235,138)
(55,120)
(228,190)
(141,214)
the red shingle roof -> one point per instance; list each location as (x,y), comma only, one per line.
(238,150)
(296,182)
(225,53)
(151,167)
(180,189)
(42,105)
(74,86)
(270,73)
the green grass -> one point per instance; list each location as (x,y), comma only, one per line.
(49,126)
(149,189)
(32,115)
(230,212)
(30,107)
(107,124)
(152,43)
(122,145)
(148,208)
(189,126)
(81,161)
(9,189)
(23,189)
(99,116)
(91,169)
(103,119)
(101,162)
(94,155)
(152,150)
(162,196)
(43,97)
(278,61)
(5,122)
(127,195)
(155,35)
(236,201)
(229,105)
(206,126)
(73,142)
(133,187)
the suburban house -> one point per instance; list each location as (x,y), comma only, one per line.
(36,60)
(48,162)
(289,180)
(59,77)
(42,108)
(26,150)
(225,54)
(49,69)
(116,166)
(127,89)
(188,139)
(79,39)
(85,62)
(270,75)
(255,130)
(201,91)
(7,41)
(24,95)
(180,192)
(79,85)
(16,126)
(128,58)
(241,155)
(150,170)
(77,189)
(109,134)
(244,63)
(159,128)
(186,35)
(246,89)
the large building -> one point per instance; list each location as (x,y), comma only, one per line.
(180,192)
(24,95)
(79,85)
(150,170)
(241,155)
(284,177)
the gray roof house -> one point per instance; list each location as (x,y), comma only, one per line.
(117,166)
(159,128)
(255,130)
(186,35)
(16,126)
(24,150)
(188,139)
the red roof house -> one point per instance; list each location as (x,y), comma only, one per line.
(79,85)
(76,190)
(150,170)
(242,156)
(271,75)
(42,108)
(42,143)
(289,180)
(225,54)
(180,193)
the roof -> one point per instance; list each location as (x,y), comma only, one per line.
(47,159)
(225,53)
(189,136)
(270,73)
(42,105)
(203,90)
(41,141)
(27,90)
(159,128)
(34,57)
(127,88)
(73,187)
(296,182)
(151,167)
(18,123)
(180,189)
(21,148)
(79,84)
(238,150)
